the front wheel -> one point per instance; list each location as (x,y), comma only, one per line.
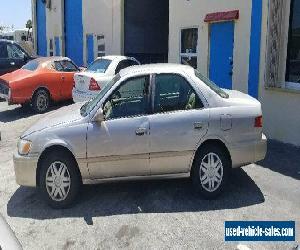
(59,180)
(211,170)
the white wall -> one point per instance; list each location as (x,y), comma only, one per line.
(281,107)
(103,17)
(54,24)
(184,14)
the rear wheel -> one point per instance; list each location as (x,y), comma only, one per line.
(211,170)
(41,101)
(59,180)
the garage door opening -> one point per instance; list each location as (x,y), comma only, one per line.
(146,30)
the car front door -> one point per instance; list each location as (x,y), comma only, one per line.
(119,146)
(177,125)
(67,70)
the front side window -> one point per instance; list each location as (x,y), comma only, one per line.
(99,66)
(173,92)
(293,56)
(14,52)
(189,44)
(130,99)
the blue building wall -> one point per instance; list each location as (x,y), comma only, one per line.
(41,31)
(255,42)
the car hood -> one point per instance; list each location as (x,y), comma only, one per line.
(16,75)
(62,117)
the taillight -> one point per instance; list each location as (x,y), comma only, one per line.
(73,83)
(94,85)
(258,122)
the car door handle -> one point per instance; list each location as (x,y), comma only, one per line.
(141,131)
(12,63)
(63,78)
(198,125)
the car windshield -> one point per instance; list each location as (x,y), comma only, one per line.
(212,85)
(99,66)
(89,106)
(32,65)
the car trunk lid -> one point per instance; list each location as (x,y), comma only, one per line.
(83,80)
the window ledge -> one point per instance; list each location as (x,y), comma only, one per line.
(285,88)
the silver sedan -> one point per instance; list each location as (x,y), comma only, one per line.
(152,121)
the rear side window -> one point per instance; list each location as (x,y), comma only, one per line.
(31,65)
(212,85)
(65,66)
(99,66)
(173,93)
(125,64)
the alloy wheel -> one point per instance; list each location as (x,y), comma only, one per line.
(58,181)
(211,172)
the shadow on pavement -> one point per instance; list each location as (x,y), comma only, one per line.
(25,112)
(167,196)
(282,158)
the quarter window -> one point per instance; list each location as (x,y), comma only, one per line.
(189,44)
(173,92)
(130,99)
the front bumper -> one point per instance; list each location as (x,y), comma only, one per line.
(25,169)
(249,152)
(81,96)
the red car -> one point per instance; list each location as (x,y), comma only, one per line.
(39,82)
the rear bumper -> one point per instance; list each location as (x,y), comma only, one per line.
(25,169)
(81,96)
(3,96)
(246,153)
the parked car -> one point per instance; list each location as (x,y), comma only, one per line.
(12,56)
(152,121)
(40,81)
(98,74)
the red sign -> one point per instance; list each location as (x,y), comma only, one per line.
(222,16)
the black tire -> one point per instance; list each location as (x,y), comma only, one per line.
(67,160)
(41,101)
(204,185)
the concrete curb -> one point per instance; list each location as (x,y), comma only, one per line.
(8,240)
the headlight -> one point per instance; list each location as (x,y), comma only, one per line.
(24,147)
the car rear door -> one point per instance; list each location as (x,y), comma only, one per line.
(178,123)
(119,146)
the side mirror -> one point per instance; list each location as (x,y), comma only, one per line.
(99,116)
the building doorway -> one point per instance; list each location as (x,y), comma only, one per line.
(73,30)
(146,30)
(221,53)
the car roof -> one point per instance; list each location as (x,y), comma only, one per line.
(156,68)
(6,41)
(115,57)
(52,59)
